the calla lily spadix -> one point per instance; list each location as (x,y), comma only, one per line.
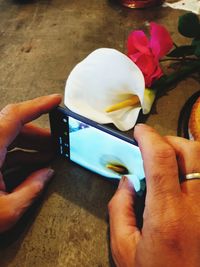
(107,87)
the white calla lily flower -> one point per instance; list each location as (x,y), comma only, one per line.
(107,87)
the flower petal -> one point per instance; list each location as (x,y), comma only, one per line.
(125,119)
(146,64)
(157,74)
(160,42)
(137,41)
(102,79)
(149,97)
(149,67)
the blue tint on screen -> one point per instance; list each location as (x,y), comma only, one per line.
(96,150)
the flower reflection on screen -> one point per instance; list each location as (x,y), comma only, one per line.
(104,154)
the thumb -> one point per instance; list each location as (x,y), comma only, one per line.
(23,195)
(123,230)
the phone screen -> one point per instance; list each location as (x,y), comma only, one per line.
(101,152)
(96,147)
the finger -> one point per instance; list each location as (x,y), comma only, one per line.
(188,154)
(20,157)
(33,137)
(2,184)
(123,230)
(23,196)
(160,163)
(14,116)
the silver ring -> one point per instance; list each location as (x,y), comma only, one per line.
(190,176)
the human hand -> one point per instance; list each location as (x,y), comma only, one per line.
(16,131)
(170,235)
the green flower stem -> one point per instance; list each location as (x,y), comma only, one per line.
(175,44)
(166,81)
(179,59)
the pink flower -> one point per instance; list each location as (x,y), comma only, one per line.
(146,53)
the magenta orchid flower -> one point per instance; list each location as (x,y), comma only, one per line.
(146,53)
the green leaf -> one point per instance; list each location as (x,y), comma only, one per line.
(188,25)
(196,43)
(181,51)
(197,51)
(159,83)
(172,78)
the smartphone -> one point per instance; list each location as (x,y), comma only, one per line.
(95,147)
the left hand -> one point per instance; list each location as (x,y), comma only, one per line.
(17,132)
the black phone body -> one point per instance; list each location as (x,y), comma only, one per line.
(96,147)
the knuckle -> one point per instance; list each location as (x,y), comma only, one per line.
(11,214)
(170,225)
(118,248)
(157,177)
(8,217)
(123,250)
(11,113)
(10,109)
(195,147)
(174,233)
(110,204)
(36,187)
(163,152)
(113,203)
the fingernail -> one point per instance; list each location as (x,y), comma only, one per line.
(140,125)
(122,180)
(50,173)
(54,95)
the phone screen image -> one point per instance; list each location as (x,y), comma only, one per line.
(104,153)
(97,148)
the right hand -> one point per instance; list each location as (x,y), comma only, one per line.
(170,235)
